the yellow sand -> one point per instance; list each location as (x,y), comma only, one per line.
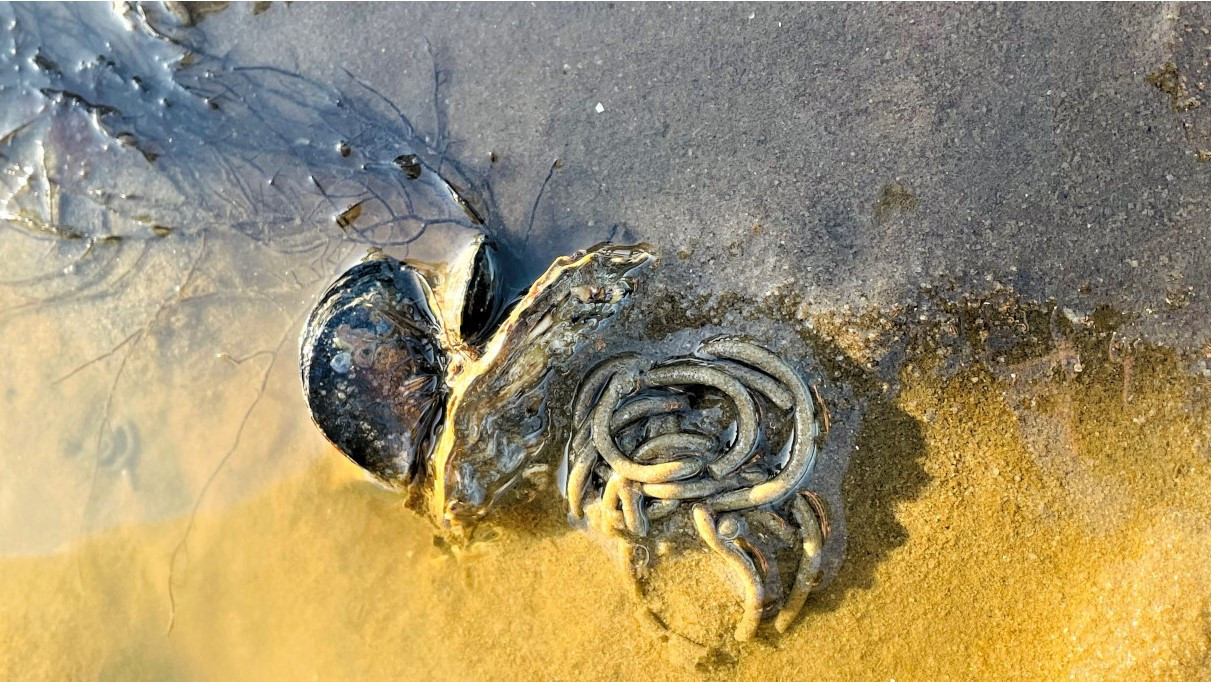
(1050,526)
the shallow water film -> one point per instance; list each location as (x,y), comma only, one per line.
(981,233)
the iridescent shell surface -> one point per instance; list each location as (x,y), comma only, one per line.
(372,368)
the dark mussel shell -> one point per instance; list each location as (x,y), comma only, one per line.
(373,371)
(483,298)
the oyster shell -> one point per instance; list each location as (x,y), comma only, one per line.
(416,372)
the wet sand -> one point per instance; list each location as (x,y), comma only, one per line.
(1024,475)
(1043,526)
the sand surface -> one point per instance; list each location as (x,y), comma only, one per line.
(1039,526)
(983,231)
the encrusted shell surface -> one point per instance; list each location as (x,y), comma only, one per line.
(373,370)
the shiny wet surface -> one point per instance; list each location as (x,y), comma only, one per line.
(1027,493)
(160,283)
